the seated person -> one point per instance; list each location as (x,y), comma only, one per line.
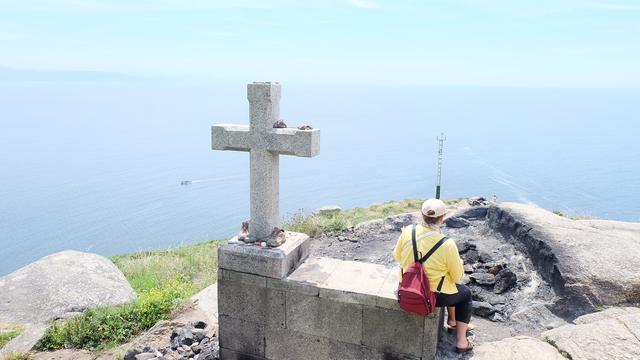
(444,269)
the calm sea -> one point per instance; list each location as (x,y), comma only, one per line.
(97,166)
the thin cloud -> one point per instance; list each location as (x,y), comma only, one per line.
(365,4)
(614,7)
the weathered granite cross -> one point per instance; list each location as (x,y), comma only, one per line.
(265,143)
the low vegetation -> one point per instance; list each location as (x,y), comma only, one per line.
(9,333)
(103,328)
(17,356)
(163,280)
(573,217)
(315,225)
(196,263)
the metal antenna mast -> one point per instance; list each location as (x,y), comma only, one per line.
(441,140)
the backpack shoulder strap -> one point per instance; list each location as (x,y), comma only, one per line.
(414,244)
(433,249)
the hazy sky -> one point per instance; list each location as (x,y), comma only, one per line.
(583,43)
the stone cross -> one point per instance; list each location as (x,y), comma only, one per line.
(265,143)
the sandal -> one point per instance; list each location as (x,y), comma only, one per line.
(467,349)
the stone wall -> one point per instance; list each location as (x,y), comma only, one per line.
(325,309)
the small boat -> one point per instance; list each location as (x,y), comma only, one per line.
(185,182)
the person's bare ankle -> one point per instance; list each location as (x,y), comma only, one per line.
(451,323)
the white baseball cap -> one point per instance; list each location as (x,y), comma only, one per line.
(433,208)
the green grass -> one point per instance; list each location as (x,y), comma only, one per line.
(196,263)
(316,225)
(163,280)
(17,356)
(8,334)
(106,327)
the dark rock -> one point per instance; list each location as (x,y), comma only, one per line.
(131,354)
(464,246)
(342,238)
(494,267)
(495,300)
(175,343)
(468,269)
(199,324)
(456,222)
(208,354)
(497,317)
(483,278)
(471,256)
(198,336)
(474,213)
(476,201)
(504,280)
(483,309)
(485,257)
(145,356)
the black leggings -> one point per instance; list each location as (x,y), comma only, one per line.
(461,300)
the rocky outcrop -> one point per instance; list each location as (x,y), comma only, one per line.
(516,348)
(588,262)
(610,334)
(58,286)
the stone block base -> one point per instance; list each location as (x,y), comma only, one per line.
(273,263)
(326,309)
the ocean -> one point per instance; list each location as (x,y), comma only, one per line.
(97,165)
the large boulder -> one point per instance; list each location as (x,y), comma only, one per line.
(516,348)
(589,262)
(611,334)
(57,286)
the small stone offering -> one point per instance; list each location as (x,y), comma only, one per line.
(279,125)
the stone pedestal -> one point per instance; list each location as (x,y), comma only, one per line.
(273,263)
(325,309)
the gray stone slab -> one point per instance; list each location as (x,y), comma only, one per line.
(252,303)
(604,339)
(433,324)
(295,286)
(393,331)
(315,271)
(516,348)
(287,344)
(355,282)
(226,354)
(241,278)
(242,336)
(387,295)
(274,263)
(323,317)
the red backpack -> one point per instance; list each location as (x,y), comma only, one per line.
(414,292)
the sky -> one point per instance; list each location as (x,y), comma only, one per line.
(538,43)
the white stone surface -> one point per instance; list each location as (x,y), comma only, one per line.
(516,348)
(350,281)
(607,335)
(265,144)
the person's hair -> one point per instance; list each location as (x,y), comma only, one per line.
(431,220)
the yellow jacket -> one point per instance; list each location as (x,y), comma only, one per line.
(444,262)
